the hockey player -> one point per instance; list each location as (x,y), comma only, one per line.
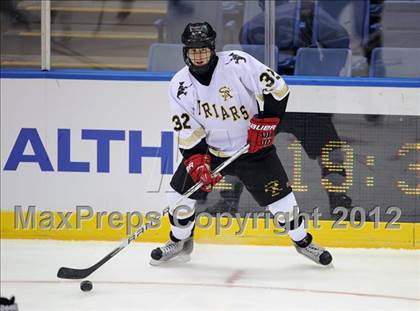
(220,101)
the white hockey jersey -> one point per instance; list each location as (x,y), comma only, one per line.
(221,111)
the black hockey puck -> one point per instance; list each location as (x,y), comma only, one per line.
(86,286)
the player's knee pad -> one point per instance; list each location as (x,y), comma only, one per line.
(182,213)
(285,210)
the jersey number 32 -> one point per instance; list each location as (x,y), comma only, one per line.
(181,122)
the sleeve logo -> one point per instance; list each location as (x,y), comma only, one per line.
(236,58)
(182,89)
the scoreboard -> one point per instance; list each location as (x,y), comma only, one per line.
(378,162)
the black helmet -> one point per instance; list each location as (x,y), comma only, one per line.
(198,35)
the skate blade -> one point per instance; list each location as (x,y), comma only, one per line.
(329,266)
(177,260)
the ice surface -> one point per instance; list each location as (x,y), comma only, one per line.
(217,278)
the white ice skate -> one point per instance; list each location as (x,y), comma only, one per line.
(172,251)
(312,251)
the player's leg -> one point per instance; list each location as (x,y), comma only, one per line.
(287,207)
(182,219)
(263,175)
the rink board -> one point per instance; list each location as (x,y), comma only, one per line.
(109,145)
(407,236)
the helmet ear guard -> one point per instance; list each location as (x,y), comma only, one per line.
(198,35)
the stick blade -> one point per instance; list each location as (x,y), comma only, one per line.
(73,274)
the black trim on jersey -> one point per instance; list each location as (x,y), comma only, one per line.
(205,78)
(274,108)
(200,148)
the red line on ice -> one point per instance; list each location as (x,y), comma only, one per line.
(315,291)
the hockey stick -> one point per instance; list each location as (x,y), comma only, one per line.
(70,273)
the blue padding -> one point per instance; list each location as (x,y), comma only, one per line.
(344,81)
(119,75)
(86,74)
